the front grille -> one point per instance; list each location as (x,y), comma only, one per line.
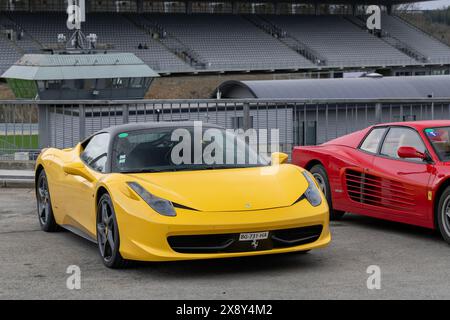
(297,236)
(229,242)
(377,191)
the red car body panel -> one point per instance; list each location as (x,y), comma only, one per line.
(379,186)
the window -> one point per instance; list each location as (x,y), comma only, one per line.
(53,84)
(119,83)
(155,150)
(402,73)
(372,141)
(136,83)
(168,7)
(95,152)
(440,139)
(401,137)
(213,7)
(113,6)
(89,84)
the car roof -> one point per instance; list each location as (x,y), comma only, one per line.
(113,130)
(419,125)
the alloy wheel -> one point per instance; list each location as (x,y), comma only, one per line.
(106,231)
(43,200)
(446,215)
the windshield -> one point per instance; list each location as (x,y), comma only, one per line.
(439,138)
(176,149)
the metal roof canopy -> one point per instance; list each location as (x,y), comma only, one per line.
(342,88)
(79,66)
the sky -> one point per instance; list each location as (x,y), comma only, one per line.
(434,4)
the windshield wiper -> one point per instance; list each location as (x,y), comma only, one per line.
(216,167)
(190,168)
(146,170)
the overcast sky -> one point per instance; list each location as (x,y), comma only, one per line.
(434,4)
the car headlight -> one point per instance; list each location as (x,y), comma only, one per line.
(312,193)
(162,206)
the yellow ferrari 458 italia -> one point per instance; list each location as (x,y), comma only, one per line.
(126,189)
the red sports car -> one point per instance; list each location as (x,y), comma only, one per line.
(394,171)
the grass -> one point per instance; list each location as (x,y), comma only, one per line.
(5,92)
(19,141)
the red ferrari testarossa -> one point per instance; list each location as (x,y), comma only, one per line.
(394,171)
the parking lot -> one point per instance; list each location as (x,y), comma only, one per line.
(414,263)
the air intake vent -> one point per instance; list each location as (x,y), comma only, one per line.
(376,191)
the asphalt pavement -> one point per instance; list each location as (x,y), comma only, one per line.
(413,263)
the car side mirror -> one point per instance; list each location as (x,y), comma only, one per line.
(77,169)
(279,158)
(411,153)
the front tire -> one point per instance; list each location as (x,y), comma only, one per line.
(443,215)
(319,173)
(108,238)
(44,204)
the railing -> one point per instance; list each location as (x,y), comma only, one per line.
(19,131)
(390,39)
(172,43)
(405,48)
(28,126)
(283,36)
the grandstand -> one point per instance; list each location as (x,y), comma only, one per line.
(212,37)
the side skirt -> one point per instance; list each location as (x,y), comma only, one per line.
(79,232)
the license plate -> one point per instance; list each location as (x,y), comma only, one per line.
(253,236)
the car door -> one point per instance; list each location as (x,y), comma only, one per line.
(354,169)
(399,187)
(82,208)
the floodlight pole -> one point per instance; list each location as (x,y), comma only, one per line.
(78,39)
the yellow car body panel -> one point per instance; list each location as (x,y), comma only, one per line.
(213,202)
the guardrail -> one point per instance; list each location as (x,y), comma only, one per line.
(28,126)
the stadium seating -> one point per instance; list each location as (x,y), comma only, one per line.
(341,42)
(112,29)
(180,43)
(435,50)
(9,54)
(230,42)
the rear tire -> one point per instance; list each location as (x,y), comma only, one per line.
(108,238)
(44,204)
(443,215)
(319,173)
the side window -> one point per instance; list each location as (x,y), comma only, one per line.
(372,140)
(95,152)
(401,137)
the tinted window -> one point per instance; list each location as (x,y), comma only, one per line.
(157,150)
(373,139)
(401,137)
(440,139)
(96,151)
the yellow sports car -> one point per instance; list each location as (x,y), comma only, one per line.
(126,189)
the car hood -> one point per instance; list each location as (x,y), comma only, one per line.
(228,189)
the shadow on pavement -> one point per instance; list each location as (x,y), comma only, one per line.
(390,227)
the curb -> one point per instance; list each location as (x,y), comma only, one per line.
(17,165)
(16,183)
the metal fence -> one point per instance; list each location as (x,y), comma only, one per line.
(28,126)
